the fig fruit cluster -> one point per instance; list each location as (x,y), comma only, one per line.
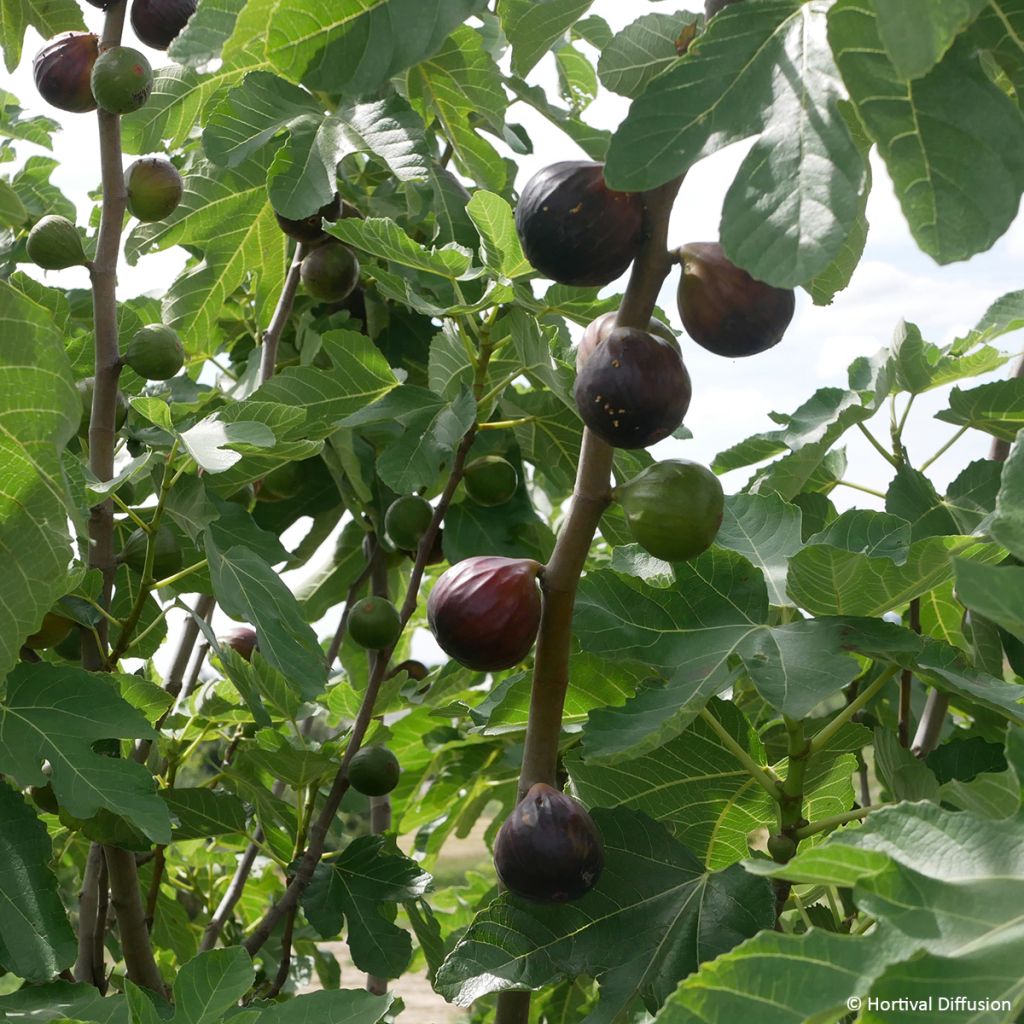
(121,79)
(155,352)
(158,22)
(330,272)
(575,229)
(485,612)
(154,188)
(549,849)
(374,771)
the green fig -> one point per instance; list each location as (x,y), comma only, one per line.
(282,482)
(673,509)
(155,352)
(167,557)
(53,629)
(122,80)
(374,623)
(154,188)
(490,480)
(330,272)
(374,771)
(407,519)
(54,244)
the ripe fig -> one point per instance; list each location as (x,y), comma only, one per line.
(53,629)
(724,309)
(157,22)
(62,70)
(598,330)
(485,611)
(54,244)
(549,850)
(490,480)
(374,623)
(155,352)
(330,272)
(281,482)
(308,230)
(415,670)
(574,228)
(122,80)
(374,771)
(85,389)
(633,389)
(673,509)
(167,558)
(154,188)
(407,519)
(242,640)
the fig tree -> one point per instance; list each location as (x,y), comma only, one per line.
(485,611)
(407,519)
(490,480)
(598,330)
(242,640)
(724,309)
(308,230)
(374,771)
(633,389)
(155,352)
(85,389)
(157,22)
(374,623)
(330,272)
(53,629)
(549,850)
(154,188)
(673,509)
(167,557)
(54,244)
(122,80)
(62,70)
(574,228)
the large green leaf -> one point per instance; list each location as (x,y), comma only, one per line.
(531,26)
(57,714)
(39,413)
(997,408)
(341,1006)
(36,940)
(916,34)
(642,50)
(675,913)
(1007,524)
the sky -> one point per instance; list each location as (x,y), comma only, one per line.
(731,398)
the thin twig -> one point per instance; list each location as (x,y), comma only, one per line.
(233,893)
(283,310)
(907,682)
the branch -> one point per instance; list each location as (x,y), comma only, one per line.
(131,921)
(86,967)
(283,310)
(232,895)
(907,682)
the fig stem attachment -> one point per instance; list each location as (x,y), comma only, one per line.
(827,824)
(821,738)
(761,774)
(506,424)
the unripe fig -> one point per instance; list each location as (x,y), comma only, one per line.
(154,188)
(598,330)
(415,670)
(781,848)
(44,798)
(167,558)
(673,509)
(155,352)
(70,648)
(280,483)
(53,629)
(308,230)
(330,272)
(122,80)
(490,480)
(63,68)
(244,496)
(54,244)
(724,309)
(157,22)
(407,519)
(633,390)
(549,850)
(374,623)
(574,228)
(485,611)
(242,640)
(85,389)
(374,771)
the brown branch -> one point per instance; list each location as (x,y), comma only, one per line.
(131,921)
(907,682)
(232,895)
(286,954)
(159,864)
(86,968)
(283,310)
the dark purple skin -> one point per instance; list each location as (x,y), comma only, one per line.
(242,640)
(549,850)
(63,69)
(308,230)
(574,229)
(633,390)
(598,330)
(724,309)
(485,611)
(158,22)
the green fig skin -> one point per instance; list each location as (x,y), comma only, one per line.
(374,623)
(330,272)
(62,70)
(781,848)
(154,188)
(54,244)
(158,22)
(490,480)
(374,771)
(598,330)
(724,309)
(53,629)
(167,557)
(281,483)
(633,390)
(406,520)
(576,230)
(155,352)
(122,80)
(673,509)
(84,388)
